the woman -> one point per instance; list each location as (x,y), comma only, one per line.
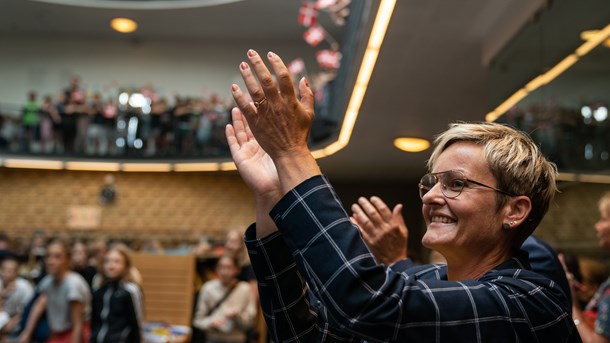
(594,322)
(116,311)
(488,188)
(226,308)
(64,295)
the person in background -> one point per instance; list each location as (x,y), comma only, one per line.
(593,322)
(64,295)
(16,292)
(80,262)
(234,246)
(5,247)
(593,273)
(226,308)
(117,308)
(30,121)
(49,118)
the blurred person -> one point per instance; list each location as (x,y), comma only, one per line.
(234,246)
(117,313)
(38,248)
(487,189)
(16,292)
(96,140)
(65,297)
(593,322)
(225,308)
(49,118)
(592,274)
(157,111)
(80,262)
(58,127)
(5,247)
(97,250)
(110,114)
(30,121)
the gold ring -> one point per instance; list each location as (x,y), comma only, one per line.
(257,104)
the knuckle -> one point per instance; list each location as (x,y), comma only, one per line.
(283,76)
(267,81)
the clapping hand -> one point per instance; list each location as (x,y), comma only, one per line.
(384,231)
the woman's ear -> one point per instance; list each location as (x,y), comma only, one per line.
(517,210)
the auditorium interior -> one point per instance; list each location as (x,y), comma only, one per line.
(143,158)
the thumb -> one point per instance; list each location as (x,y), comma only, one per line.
(306,94)
(397,211)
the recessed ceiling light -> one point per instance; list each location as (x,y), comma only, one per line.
(411,144)
(123,25)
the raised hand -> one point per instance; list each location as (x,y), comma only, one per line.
(383,231)
(279,121)
(256,169)
(253,163)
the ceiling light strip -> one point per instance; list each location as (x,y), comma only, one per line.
(32,164)
(586,178)
(92,166)
(550,75)
(380,26)
(146,167)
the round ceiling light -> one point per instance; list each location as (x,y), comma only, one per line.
(123,25)
(411,144)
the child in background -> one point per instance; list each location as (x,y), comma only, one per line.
(117,308)
(64,295)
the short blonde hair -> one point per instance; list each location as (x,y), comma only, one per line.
(515,161)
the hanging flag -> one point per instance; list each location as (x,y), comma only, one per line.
(321,4)
(328,59)
(296,66)
(314,35)
(308,14)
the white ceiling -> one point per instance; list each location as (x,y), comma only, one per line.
(432,68)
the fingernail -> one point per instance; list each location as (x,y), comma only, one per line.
(243,66)
(251,53)
(271,54)
(306,82)
(234,87)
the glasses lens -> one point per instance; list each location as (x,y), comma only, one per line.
(426,183)
(453,183)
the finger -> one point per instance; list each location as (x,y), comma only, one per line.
(306,94)
(282,75)
(359,215)
(397,212)
(382,208)
(266,88)
(239,126)
(370,210)
(244,105)
(232,140)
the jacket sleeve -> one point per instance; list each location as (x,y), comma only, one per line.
(290,311)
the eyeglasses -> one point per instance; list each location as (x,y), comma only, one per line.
(452,184)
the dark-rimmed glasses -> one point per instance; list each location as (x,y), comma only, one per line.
(452,183)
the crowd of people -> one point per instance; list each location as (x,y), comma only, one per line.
(133,123)
(75,291)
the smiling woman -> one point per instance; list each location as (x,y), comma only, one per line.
(485,292)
